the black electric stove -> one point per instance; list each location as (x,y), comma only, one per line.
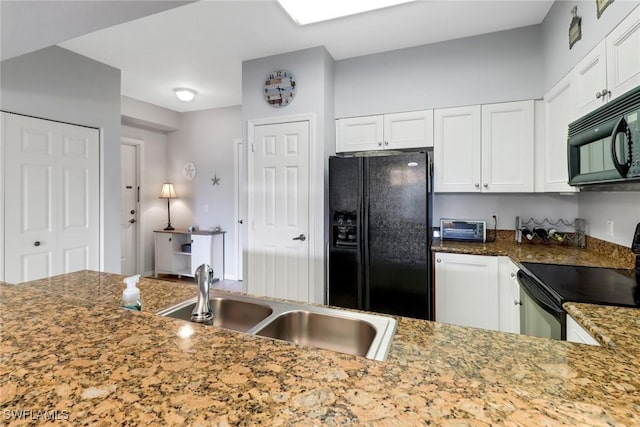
(592,285)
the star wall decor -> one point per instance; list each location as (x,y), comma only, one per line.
(215,180)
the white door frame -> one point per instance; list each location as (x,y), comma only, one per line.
(315,203)
(2,167)
(140,243)
(238,160)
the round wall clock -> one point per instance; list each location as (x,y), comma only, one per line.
(280,88)
(189,170)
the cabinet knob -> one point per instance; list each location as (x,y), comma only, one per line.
(36,243)
(386,143)
(603,93)
(477,185)
(513,274)
(169,238)
(485,185)
(516,302)
(438,260)
(379,143)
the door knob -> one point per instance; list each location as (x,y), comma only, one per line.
(301,237)
(132,221)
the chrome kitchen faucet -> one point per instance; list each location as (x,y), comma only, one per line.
(202,312)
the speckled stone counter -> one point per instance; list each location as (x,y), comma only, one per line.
(597,253)
(67,347)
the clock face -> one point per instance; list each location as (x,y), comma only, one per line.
(189,171)
(280,88)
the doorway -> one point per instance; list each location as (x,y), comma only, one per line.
(130,207)
(53,226)
(279,211)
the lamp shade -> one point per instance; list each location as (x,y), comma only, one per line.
(168,192)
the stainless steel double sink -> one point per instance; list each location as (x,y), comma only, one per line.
(356,333)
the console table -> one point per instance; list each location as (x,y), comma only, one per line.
(180,252)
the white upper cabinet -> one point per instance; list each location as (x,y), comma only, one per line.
(610,69)
(408,130)
(553,160)
(456,149)
(623,55)
(359,134)
(413,129)
(507,147)
(484,149)
(589,82)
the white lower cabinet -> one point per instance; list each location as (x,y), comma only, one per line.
(509,304)
(467,291)
(577,334)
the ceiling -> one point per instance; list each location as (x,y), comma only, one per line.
(202,45)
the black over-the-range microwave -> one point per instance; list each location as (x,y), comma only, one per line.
(604,146)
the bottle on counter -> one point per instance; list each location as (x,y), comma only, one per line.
(131,299)
(526,233)
(541,233)
(556,235)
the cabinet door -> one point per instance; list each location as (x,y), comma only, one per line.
(467,290)
(509,296)
(623,55)
(557,106)
(507,147)
(359,134)
(164,253)
(456,149)
(408,130)
(589,79)
(202,253)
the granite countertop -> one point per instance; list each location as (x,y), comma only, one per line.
(598,253)
(67,347)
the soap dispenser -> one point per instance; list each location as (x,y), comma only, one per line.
(131,295)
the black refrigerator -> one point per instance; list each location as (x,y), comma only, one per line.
(380,233)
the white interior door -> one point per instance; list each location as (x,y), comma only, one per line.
(129,209)
(53,227)
(240,222)
(279,208)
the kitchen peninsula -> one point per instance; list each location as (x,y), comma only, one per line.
(67,346)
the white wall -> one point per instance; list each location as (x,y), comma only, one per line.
(153,212)
(506,206)
(497,67)
(311,68)
(623,208)
(558,58)
(57,84)
(206,138)
(144,115)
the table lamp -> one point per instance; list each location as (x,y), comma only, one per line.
(168,192)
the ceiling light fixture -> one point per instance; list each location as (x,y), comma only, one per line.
(309,11)
(185,94)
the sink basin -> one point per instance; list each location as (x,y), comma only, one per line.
(335,333)
(361,334)
(228,313)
